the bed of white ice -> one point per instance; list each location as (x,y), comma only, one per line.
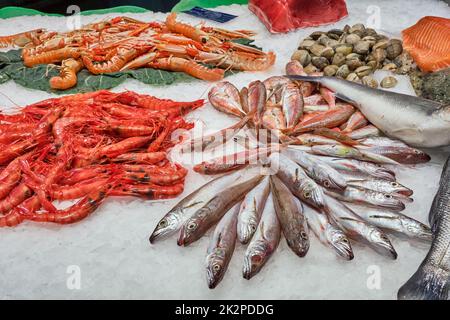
(111,247)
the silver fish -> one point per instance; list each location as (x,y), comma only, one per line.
(224,96)
(328,233)
(358,229)
(396,222)
(198,199)
(251,209)
(341,151)
(314,139)
(300,184)
(221,248)
(264,242)
(364,132)
(320,171)
(401,154)
(380,185)
(360,168)
(416,121)
(368,197)
(200,222)
(290,214)
(432,280)
(215,139)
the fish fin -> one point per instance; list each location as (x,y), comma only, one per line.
(345,98)
(428,283)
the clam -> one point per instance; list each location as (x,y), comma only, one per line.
(302,56)
(370,81)
(373,64)
(370,39)
(363,71)
(370,32)
(316,34)
(390,67)
(382,44)
(343,71)
(323,40)
(361,47)
(332,43)
(357,28)
(316,49)
(379,54)
(310,68)
(336,32)
(344,49)
(338,59)
(388,82)
(330,70)
(394,48)
(306,44)
(346,28)
(319,62)
(353,63)
(328,53)
(352,77)
(352,38)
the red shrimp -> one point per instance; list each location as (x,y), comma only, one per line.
(15,216)
(159,179)
(11,176)
(117,149)
(146,158)
(17,195)
(148,190)
(51,56)
(80,210)
(77,190)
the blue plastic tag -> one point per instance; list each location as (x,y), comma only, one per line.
(211,15)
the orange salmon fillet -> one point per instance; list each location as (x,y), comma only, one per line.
(428,42)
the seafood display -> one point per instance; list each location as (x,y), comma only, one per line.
(354,53)
(431,280)
(416,121)
(428,42)
(87,147)
(123,43)
(327,171)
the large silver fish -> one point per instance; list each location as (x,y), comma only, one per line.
(205,217)
(290,214)
(264,242)
(380,185)
(198,199)
(251,209)
(221,248)
(416,121)
(328,233)
(358,229)
(431,281)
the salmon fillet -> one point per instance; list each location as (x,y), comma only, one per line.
(428,42)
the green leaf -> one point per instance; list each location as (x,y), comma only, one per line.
(158,77)
(246,42)
(3,77)
(10,56)
(88,82)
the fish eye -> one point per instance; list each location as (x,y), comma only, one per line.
(303,235)
(416,151)
(387,196)
(192,226)
(163,223)
(307,194)
(327,183)
(253,227)
(344,240)
(394,184)
(216,267)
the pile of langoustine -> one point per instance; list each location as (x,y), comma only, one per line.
(325,169)
(87,147)
(124,43)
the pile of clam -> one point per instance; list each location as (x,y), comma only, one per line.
(353,53)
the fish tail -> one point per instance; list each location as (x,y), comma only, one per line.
(305,78)
(428,283)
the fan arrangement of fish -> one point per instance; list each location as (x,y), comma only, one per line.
(331,176)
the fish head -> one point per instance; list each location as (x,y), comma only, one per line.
(224,96)
(300,245)
(246,230)
(400,189)
(335,181)
(382,243)
(383,173)
(418,229)
(188,232)
(165,227)
(313,195)
(255,258)
(340,242)
(215,267)
(389,201)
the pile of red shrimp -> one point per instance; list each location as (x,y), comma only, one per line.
(87,147)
